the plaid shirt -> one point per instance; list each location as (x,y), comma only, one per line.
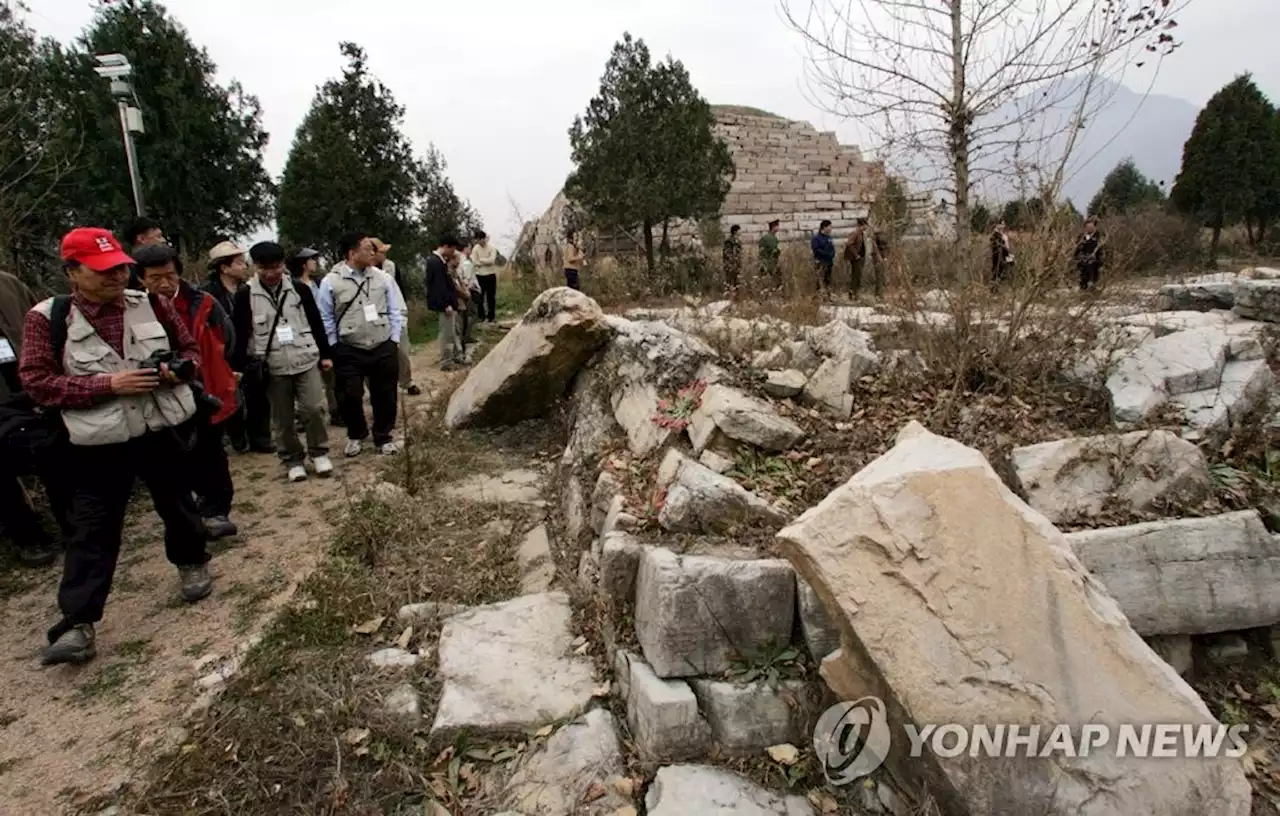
(42,375)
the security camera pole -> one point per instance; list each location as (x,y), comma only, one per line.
(115,67)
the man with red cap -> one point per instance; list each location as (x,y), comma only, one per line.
(114,362)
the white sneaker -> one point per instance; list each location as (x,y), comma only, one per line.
(353,447)
(389,449)
(323,466)
(297,473)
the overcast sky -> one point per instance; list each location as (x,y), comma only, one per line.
(495,84)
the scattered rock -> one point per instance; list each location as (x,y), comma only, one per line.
(715,461)
(1188,576)
(1073,478)
(802,358)
(741,418)
(1173,649)
(428,611)
(507,666)
(699,500)
(784,384)
(773,358)
(1196,297)
(829,387)
(1172,365)
(403,701)
(1163,323)
(940,572)
(393,659)
(537,569)
(1227,649)
(512,487)
(1243,388)
(820,632)
(663,716)
(839,342)
(619,565)
(695,613)
(679,790)
(583,754)
(531,367)
(747,719)
(1258,300)
(607,486)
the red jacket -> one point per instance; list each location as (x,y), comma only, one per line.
(208,324)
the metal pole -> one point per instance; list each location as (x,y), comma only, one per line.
(132,156)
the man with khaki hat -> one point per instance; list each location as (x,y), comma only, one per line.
(249,429)
(380,260)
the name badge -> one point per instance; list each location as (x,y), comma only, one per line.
(284,335)
(6,351)
(371,313)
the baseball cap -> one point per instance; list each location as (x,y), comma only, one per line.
(306,254)
(226,249)
(95,248)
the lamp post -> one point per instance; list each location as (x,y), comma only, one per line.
(115,68)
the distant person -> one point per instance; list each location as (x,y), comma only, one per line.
(474,295)
(865,248)
(1001,254)
(1089,255)
(443,299)
(485,257)
(573,259)
(733,257)
(770,252)
(211,328)
(363,314)
(824,255)
(304,266)
(278,327)
(380,260)
(141,232)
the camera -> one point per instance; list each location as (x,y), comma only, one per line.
(184,370)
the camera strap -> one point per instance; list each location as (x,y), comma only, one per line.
(279,304)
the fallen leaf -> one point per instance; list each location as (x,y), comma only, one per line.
(1244,695)
(784,754)
(624,786)
(581,650)
(188,748)
(625,811)
(544,731)
(403,641)
(370,626)
(602,690)
(355,736)
(823,801)
(596,791)
(1273,711)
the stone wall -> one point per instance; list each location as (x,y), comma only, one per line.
(785,170)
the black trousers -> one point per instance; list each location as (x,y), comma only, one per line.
(211,473)
(100,482)
(824,271)
(488,304)
(380,367)
(18,519)
(571,279)
(1089,275)
(251,423)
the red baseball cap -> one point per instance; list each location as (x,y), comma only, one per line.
(94,247)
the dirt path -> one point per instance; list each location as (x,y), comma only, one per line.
(67,733)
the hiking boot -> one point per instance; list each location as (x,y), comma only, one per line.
(37,555)
(297,473)
(75,646)
(323,465)
(389,449)
(353,447)
(219,527)
(196,582)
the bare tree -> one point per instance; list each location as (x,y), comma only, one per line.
(964,90)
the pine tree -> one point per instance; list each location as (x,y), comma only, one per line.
(1124,190)
(645,150)
(441,213)
(350,166)
(201,155)
(1228,162)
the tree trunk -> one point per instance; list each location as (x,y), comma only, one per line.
(959,130)
(1213,242)
(648,244)
(1248,230)
(666,247)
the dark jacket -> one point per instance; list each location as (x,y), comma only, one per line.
(824,249)
(219,318)
(1089,250)
(15,301)
(243,319)
(441,292)
(213,285)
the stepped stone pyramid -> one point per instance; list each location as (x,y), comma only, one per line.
(786,170)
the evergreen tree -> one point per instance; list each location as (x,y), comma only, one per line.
(201,155)
(441,212)
(350,167)
(645,149)
(1229,162)
(1125,190)
(980,218)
